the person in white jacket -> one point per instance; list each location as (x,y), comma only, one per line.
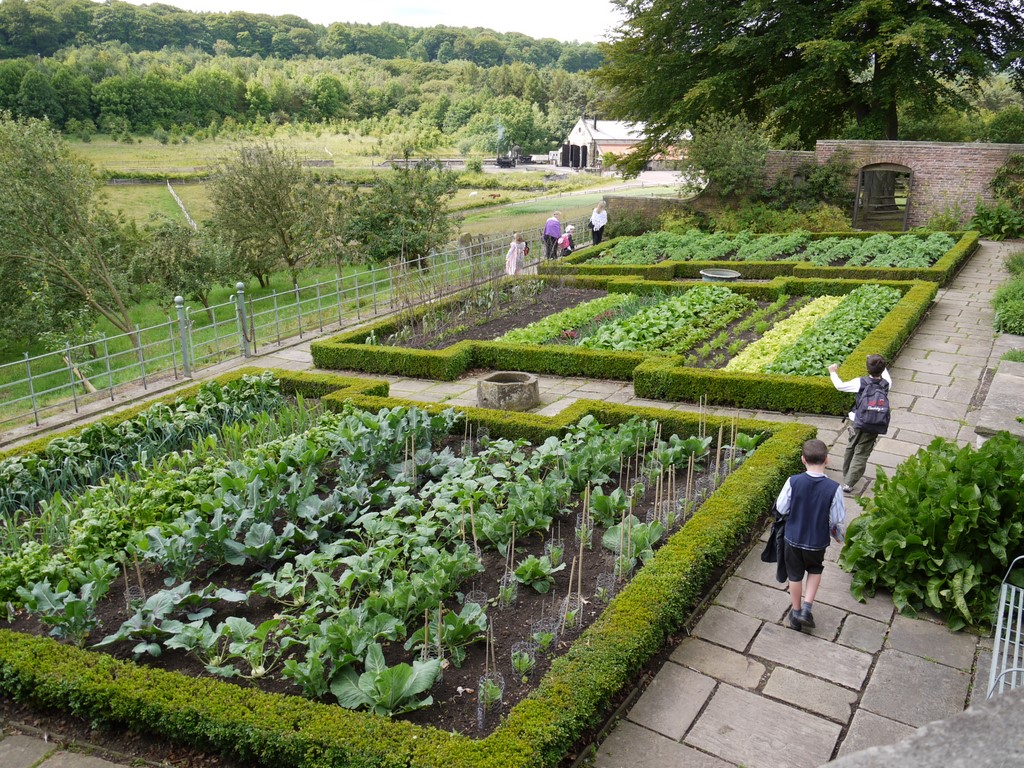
(598,219)
(861,443)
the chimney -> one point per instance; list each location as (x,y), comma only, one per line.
(595,121)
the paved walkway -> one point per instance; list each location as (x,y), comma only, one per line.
(742,689)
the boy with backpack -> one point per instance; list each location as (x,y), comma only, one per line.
(869,417)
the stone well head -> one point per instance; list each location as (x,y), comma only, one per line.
(508,391)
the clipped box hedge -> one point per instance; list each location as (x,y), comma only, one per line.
(658,377)
(280,731)
(941,272)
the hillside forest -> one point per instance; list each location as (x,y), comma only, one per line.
(119,69)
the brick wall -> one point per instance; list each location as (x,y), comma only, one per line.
(785,163)
(945,174)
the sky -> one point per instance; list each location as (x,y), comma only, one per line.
(581,20)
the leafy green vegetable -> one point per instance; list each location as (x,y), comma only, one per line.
(386,690)
(939,533)
(537,572)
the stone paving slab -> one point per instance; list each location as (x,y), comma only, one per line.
(630,746)
(726,627)
(871,730)
(810,693)
(753,569)
(927,425)
(758,733)
(23,751)
(940,409)
(672,700)
(914,691)
(863,634)
(757,600)
(879,607)
(812,655)
(719,663)
(932,641)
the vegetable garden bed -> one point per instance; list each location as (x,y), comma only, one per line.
(934,257)
(675,340)
(271,729)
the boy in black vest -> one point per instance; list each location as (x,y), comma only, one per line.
(813,507)
(861,441)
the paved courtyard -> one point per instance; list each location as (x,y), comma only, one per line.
(742,689)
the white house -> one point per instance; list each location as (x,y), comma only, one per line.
(591,138)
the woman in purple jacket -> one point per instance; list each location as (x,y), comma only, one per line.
(552,231)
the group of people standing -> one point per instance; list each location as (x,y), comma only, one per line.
(557,243)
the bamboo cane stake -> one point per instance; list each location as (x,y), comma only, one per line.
(718,453)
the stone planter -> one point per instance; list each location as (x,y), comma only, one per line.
(719,275)
(508,391)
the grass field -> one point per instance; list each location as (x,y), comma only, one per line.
(148,154)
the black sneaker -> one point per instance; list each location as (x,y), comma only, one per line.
(806,618)
(794,620)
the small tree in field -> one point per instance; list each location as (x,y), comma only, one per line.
(405,215)
(270,213)
(729,152)
(52,224)
(183,261)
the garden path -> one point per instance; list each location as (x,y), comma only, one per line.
(741,688)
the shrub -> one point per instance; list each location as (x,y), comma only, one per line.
(1015,263)
(729,151)
(949,219)
(1007,127)
(474,165)
(765,218)
(998,222)
(633,223)
(939,533)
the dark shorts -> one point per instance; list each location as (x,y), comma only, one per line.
(799,561)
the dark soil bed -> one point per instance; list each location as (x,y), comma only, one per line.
(551,299)
(455,705)
(555,299)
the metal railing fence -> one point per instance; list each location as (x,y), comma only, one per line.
(195,337)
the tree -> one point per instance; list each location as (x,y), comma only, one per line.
(729,152)
(270,214)
(404,216)
(811,67)
(50,221)
(183,261)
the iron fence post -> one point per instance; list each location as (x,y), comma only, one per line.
(298,308)
(338,286)
(186,364)
(142,356)
(106,359)
(277,319)
(319,308)
(31,389)
(243,342)
(71,375)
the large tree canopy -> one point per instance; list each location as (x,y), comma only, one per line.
(812,68)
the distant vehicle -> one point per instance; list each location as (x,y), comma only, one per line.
(508,159)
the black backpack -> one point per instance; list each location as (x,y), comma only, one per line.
(871,413)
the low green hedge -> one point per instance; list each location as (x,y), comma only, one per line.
(941,272)
(282,731)
(658,377)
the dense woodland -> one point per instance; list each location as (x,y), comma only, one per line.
(121,69)
(44,27)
